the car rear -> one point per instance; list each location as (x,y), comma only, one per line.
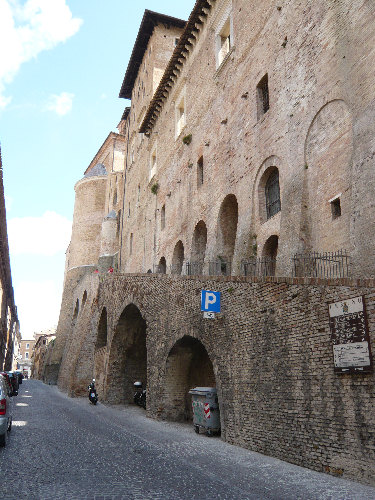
(5,410)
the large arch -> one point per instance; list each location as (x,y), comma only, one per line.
(227,230)
(127,356)
(188,365)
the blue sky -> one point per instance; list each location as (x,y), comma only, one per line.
(62,63)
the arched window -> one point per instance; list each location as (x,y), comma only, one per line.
(272,191)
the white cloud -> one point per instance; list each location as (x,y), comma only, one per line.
(28,28)
(60,104)
(46,235)
(38,305)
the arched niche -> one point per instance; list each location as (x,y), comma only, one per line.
(198,250)
(178,258)
(84,299)
(227,229)
(162,267)
(269,255)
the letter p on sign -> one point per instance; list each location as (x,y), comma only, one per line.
(210,301)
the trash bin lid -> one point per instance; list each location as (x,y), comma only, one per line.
(203,391)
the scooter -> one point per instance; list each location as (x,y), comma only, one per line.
(93,397)
(139,395)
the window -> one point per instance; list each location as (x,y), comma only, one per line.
(176,42)
(272,191)
(200,171)
(27,346)
(129,209)
(180,115)
(131,244)
(263,101)
(223,38)
(335,208)
(153,163)
(162,217)
(26,355)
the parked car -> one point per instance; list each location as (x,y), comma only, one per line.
(7,378)
(20,376)
(6,410)
(14,381)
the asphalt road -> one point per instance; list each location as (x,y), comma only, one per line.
(62,448)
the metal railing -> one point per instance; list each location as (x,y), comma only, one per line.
(219,268)
(258,266)
(322,264)
(194,268)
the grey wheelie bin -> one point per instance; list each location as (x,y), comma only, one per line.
(206,413)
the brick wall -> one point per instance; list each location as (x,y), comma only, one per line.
(268,352)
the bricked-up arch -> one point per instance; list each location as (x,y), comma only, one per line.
(101,339)
(178,258)
(188,365)
(227,228)
(199,244)
(127,357)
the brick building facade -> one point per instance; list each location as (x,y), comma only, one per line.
(9,324)
(243,165)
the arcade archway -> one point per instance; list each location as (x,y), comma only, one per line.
(188,366)
(128,356)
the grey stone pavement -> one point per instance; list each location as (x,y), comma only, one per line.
(63,448)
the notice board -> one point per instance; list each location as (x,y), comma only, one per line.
(350,336)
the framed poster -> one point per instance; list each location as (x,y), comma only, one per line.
(350,336)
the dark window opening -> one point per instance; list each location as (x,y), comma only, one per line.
(263,99)
(200,171)
(336,208)
(272,190)
(162,217)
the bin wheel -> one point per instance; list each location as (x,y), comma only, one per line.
(209,433)
(196,428)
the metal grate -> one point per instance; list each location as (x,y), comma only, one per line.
(194,268)
(258,266)
(219,268)
(322,265)
(272,190)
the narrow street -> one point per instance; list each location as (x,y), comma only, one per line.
(62,448)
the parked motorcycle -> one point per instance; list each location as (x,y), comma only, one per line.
(93,396)
(139,395)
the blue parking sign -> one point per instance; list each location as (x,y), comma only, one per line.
(210,301)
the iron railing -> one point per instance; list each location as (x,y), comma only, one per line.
(322,265)
(258,266)
(194,268)
(219,268)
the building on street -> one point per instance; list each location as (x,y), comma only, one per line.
(243,166)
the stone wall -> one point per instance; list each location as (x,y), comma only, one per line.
(269,351)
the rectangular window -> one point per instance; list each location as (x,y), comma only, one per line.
(335,208)
(225,45)
(27,346)
(263,100)
(200,171)
(153,163)
(224,36)
(180,115)
(26,355)
(162,217)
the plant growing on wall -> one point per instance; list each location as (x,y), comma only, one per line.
(155,188)
(187,139)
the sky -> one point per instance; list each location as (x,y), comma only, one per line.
(62,63)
